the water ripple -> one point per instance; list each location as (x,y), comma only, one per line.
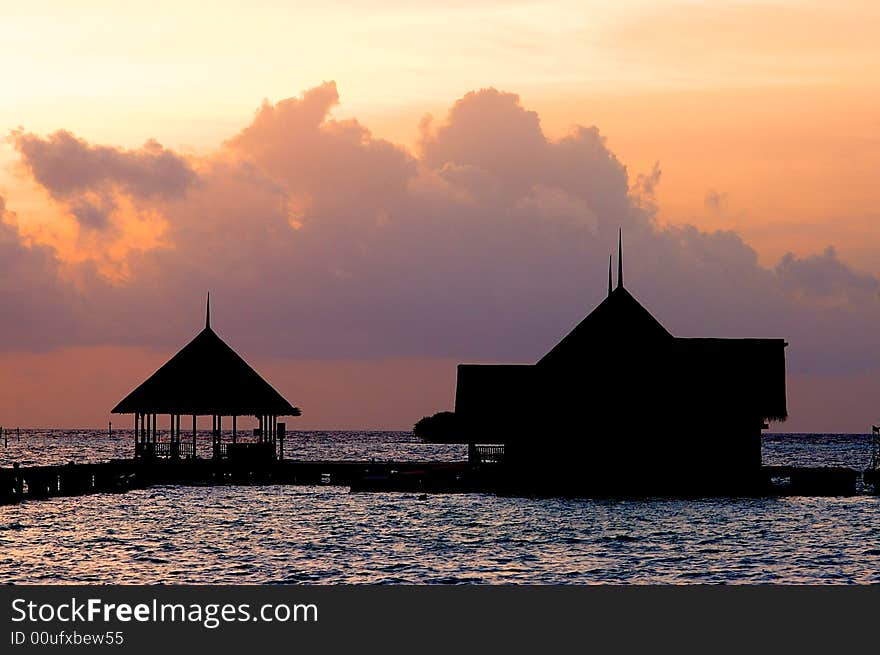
(289,535)
(327,535)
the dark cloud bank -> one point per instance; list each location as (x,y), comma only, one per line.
(318,240)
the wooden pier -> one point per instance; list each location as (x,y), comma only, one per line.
(42,482)
(815,481)
(117,476)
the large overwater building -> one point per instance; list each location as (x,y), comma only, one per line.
(620,405)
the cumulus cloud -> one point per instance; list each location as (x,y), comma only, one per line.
(826,281)
(332,166)
(67,166)
(38,309)
(88,181)
(318,239)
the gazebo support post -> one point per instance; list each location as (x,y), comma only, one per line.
(281,443)
(234,428)
(194,436)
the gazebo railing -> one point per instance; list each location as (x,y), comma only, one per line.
(185,449)
(245,450)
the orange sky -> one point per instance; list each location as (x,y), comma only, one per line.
(764,116)
(771,107)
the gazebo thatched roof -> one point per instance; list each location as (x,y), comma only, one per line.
(206,377)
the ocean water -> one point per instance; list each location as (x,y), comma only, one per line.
(286,534)
(37,447)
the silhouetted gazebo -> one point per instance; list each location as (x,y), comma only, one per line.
(206,377)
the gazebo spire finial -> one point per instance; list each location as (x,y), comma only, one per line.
(208,312)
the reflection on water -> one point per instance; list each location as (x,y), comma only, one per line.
(63,446)
(38,447)
(325,534)
(278,534)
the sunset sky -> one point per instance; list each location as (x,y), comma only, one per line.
(374,191)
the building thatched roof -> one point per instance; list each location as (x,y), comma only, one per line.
(621,340)
(206,377)
(620,363)
(748,372)
(493,399)
(619,318)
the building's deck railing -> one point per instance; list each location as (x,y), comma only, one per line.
(485,454)
(168,449)
(875,447)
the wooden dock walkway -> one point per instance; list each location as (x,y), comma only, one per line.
(117,476)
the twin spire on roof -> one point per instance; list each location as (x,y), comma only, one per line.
(619,262)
